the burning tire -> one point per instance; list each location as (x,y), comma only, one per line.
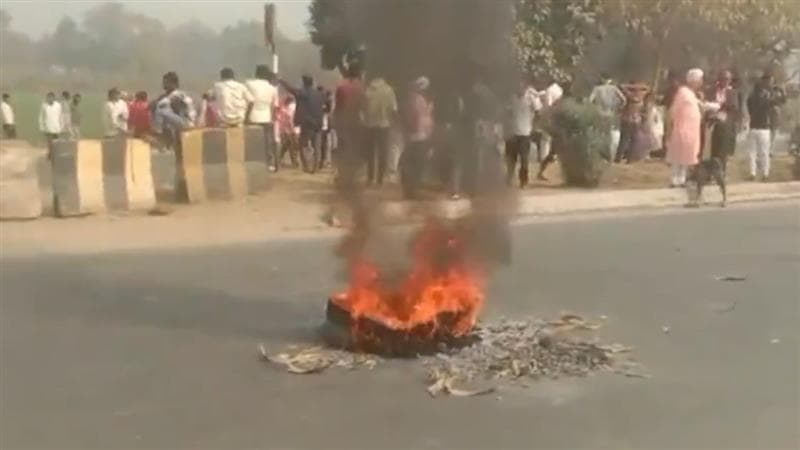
(372,335)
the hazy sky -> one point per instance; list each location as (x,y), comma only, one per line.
(37,17)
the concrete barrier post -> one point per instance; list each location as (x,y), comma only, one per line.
(91,176)
(221,164)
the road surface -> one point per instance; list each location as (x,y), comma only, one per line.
(157,349)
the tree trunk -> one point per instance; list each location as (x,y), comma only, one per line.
(659,66)
(665,30)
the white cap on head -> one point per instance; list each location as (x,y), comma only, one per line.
(694,75)
(422,83)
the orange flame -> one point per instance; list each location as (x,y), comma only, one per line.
(441,283)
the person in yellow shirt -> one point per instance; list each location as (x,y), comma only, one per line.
(378,114)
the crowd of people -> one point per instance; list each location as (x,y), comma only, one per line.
(724,110)
(455,133)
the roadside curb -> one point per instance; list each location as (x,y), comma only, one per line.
(598,201)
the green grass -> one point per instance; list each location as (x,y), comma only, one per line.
(26,110)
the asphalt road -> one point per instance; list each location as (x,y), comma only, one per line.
(157,349)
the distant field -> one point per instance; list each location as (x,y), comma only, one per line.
(26,110)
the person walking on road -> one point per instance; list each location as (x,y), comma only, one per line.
(7,117)
(380,111)
(50,118)
(683,143)
(265,103)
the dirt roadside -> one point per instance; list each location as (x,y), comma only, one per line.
(279,216)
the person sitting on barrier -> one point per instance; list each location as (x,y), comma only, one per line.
(207,114)
(233,99)
(173,111)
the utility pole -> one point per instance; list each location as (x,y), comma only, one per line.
(269,33)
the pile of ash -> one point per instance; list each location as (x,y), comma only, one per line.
(521,351)
(515,352)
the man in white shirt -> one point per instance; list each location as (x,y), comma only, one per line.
(7,118)
(524,103)
(265,102)
(233,99)
(551,95)
(115,115)
(50,120)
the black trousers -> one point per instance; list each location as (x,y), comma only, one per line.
(412,167)
(310,149)
(627,140)
(376,153)
(518,148)
(10,131)
(536,138)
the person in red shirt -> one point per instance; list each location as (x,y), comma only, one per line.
(139,116)
(347,121)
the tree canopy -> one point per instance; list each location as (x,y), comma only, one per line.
(112,44)
(567,39)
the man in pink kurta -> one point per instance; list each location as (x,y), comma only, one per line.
(683,144)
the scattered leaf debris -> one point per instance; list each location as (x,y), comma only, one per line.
(515,352)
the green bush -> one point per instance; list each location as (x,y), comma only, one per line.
(581,135)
